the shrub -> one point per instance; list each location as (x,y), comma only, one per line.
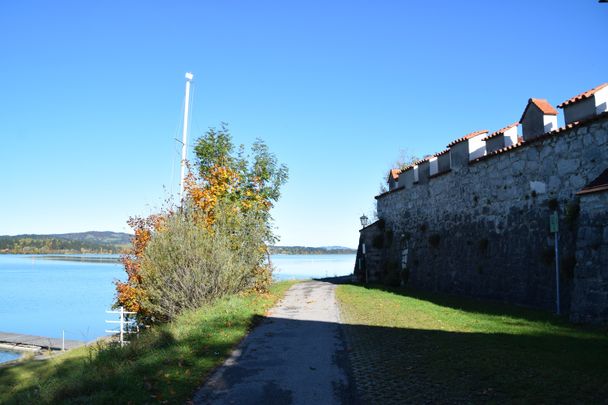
(213,243)
(188,265)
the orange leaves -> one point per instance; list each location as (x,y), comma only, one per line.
(130,294)
(221,182)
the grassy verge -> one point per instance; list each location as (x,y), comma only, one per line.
(165,363)
(419,347)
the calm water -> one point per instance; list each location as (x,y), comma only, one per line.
(312,266)
(47,295)
(44,297)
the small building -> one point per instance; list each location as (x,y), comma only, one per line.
(586,105)
(406,177)
(443,163)
(467,148)
(538,118)
(433,166)
(502,138)
(393,179)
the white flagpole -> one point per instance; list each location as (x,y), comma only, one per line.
(189,77)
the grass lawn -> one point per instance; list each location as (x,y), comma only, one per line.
(167,362)
(418,347)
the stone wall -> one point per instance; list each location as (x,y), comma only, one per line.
(482,229)
(590,294)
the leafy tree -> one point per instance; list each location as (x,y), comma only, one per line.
(216,241)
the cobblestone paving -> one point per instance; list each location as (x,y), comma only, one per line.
(390,366)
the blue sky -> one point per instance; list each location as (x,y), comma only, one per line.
(91,96)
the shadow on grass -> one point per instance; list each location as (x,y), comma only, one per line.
(468,304)
(398,365)
(154,367)
(389,365)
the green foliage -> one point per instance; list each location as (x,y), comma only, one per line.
(215,149)
(259,174)
(55,244)
(215,243)
(186,265)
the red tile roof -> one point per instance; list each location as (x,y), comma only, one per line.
(394,174)
(522,143)
(597,185)
(468,136)
(421,161)
(500,131)
(443,152)
(542,105)
(582,96)
(546,135)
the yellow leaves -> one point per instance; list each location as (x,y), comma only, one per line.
(221,182)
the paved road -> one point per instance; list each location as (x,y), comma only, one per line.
(295,356)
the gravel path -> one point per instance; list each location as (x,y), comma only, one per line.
(295,356)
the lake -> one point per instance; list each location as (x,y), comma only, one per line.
(47,295)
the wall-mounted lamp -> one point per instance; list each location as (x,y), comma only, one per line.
(364,220)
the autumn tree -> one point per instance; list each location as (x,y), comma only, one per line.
(215,242)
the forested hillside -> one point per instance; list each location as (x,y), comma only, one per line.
(84,242)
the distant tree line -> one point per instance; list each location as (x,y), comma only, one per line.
(304,250)
(37,244)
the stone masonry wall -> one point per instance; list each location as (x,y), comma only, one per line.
(590,295)
(482,229)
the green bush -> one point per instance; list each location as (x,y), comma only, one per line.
(188,265)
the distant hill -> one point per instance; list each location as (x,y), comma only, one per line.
(118,242)
(81,242)
(305,250)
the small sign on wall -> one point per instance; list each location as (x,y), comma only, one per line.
(554,223)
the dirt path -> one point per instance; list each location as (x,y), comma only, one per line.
(295,356)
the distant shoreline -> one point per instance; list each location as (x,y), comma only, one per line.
(304,250)
(273,251)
